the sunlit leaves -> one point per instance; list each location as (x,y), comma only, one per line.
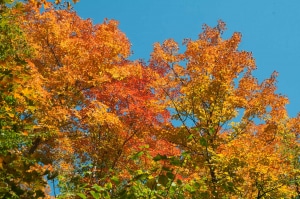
(217,88)
(76,109)
(100,107)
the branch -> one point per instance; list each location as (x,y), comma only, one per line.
(34,146)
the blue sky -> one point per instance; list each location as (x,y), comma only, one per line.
(270,29)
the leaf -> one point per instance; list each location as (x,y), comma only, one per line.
(142,176)
(176,161)
(190,188)
(163,180)
(137,155)
(211,131)
(160,157)
(96,195)
(179,182)
(203,141)
(151,183)
(81,195)
(108,185)
(115,179)
(190,137)
(72,83)
(97,188)
(170,175)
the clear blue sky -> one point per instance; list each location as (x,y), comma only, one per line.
(270,29)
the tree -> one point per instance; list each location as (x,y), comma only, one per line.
(100,109)
(20,174)
(76,110)
(235,129)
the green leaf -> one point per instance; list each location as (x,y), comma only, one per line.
(179,182)
(151,183)
(166,168)
(88,172)
(189,188)
(203,141)
(108,185)
(196,185)
(176,161)
(160,157)
(142,176)
(185,154)
(115,179)
(96,195)
(163,180)
(211,131)
(137,155)
(170,175)
(190,137)
(97,187)
(230,187)
(81,195)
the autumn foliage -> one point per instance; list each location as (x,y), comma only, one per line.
(80,119)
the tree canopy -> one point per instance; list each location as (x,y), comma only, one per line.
(75,110)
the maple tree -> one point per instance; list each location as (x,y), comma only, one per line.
(235,129)
(19,99)
(75,110)
(99,108)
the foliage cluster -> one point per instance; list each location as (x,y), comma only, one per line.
(76,111)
